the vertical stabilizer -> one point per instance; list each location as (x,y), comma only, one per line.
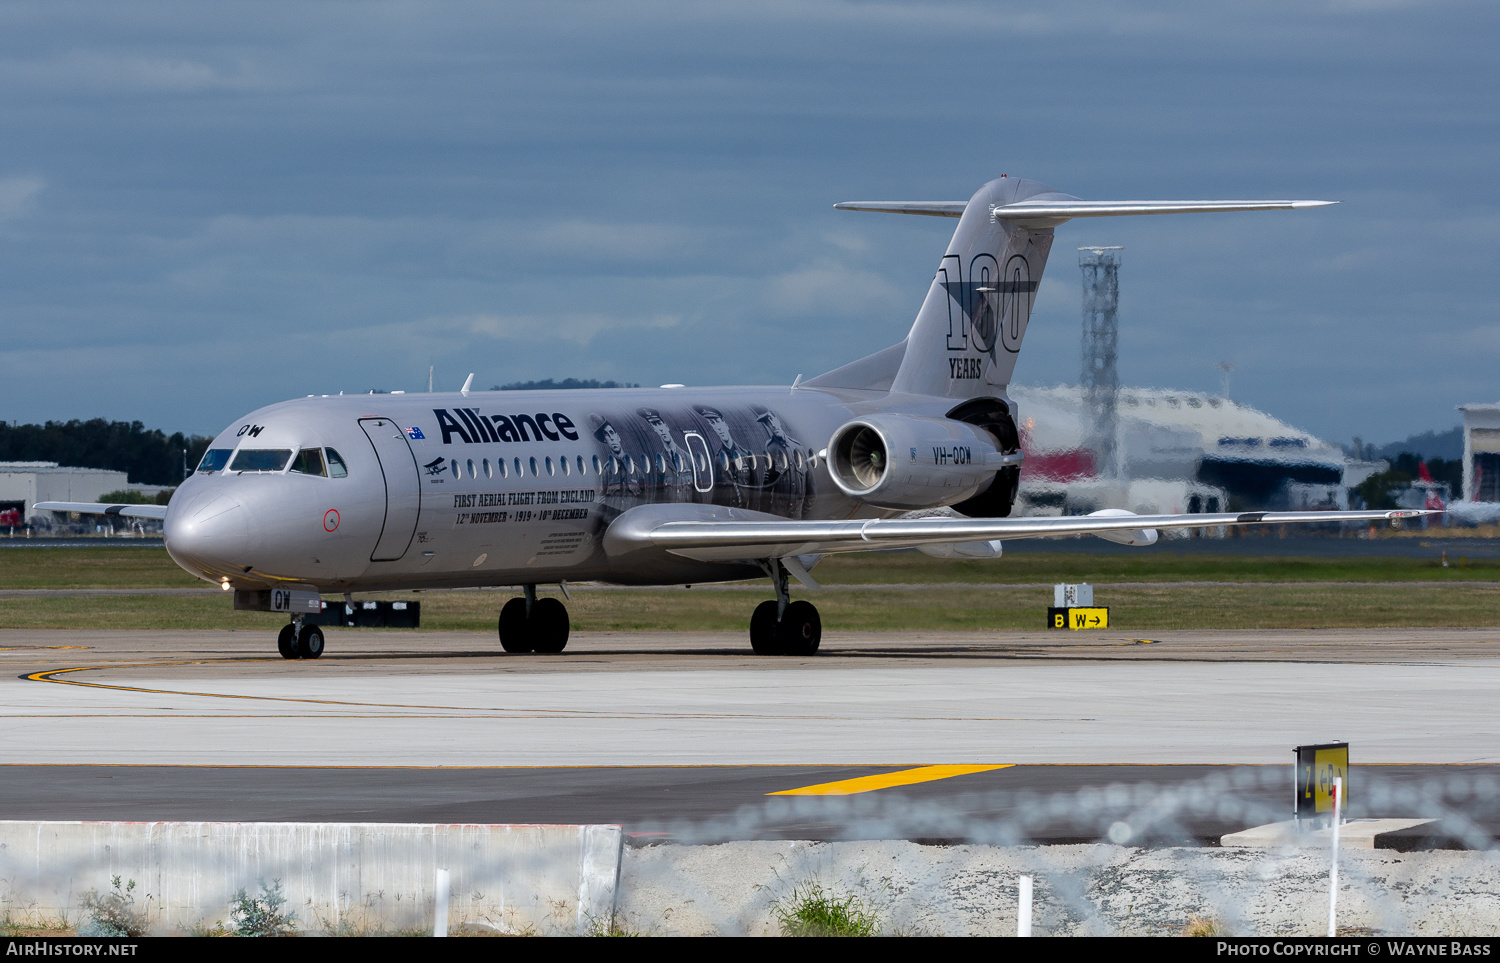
(967,336)
(968,333)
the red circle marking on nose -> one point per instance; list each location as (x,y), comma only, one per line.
(330,519)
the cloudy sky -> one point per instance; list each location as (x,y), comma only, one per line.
(205,208)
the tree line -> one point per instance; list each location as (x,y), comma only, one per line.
(148,457)
(1379,491)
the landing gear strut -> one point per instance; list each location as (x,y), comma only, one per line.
(781,626)
(298,640)
(531,624)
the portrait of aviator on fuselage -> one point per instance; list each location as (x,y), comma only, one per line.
(786,472)
(733,466)
(617,481)
(674,469)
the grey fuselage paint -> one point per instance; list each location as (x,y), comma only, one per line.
(573,461)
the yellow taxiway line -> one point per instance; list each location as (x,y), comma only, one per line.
(905,777)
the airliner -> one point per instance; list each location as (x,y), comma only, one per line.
(915,446)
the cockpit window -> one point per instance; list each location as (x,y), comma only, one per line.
(215,459)
(261,459)
(336,467)
(309,462)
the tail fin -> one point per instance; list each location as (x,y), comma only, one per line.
(968,332)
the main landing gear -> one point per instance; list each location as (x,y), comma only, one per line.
(531,624)
(299,641)
(781,626)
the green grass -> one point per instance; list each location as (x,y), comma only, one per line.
(1268,606)
(136,567)
(1148,566)
(812,909)
(123,567)
(1278,597)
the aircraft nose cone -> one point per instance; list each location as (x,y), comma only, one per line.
(211,533)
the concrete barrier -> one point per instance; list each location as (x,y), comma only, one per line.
(337,877)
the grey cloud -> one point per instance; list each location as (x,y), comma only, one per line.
(276,198)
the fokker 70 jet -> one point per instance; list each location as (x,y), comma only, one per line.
(367,493)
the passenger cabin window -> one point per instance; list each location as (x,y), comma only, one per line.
(261,459)
(215,458)
(309,462)
(336,466)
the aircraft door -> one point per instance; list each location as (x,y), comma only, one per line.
(703,463)
(403,487)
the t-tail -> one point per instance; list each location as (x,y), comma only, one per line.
(969,330)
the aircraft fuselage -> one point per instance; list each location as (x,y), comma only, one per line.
(390,491)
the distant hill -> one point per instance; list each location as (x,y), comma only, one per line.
(1448,445)
(548,384)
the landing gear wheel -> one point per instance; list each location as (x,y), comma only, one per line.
(310,642)
(763,635)
(515,632)
(286,642)
(800,630)
(549,625)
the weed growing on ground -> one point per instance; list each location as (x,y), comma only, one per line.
(812,909)
(113,913)
(261,915)
(1204,926)
(611,925)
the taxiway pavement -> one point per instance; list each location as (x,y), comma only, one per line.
(667,730)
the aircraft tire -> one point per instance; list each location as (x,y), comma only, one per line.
(800,630)
(515,628)
(310,642)
(286,642)
(549,625)
(764,639)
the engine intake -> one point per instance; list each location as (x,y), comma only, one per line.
(911,461)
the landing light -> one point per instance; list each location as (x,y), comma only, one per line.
(224,585)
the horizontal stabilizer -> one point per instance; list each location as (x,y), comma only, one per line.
(930,208)
(1061,207)
(104,508)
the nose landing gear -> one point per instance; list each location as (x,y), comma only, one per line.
(299,641)
(781,626)
(531,624)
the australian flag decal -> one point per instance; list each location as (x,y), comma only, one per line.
(415,433)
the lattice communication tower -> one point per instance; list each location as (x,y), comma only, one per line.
(1101,337)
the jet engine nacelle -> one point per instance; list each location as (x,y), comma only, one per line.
(911,461)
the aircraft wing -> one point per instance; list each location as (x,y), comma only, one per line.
(157,512)
(709,533)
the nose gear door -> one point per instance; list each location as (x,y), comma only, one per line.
(403,487)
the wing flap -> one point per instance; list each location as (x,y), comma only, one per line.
(157,512)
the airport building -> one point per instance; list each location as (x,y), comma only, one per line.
(1173,452)
(24,483)
(1481,452)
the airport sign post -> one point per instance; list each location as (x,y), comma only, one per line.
(1319,769)
(1073,608)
